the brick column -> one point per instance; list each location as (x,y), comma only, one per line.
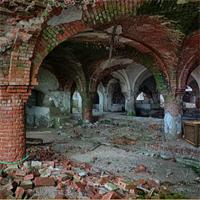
(130,104)
(173,117)
(12,122)
(87,105)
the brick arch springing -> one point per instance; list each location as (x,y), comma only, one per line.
(49,39)
(189,59)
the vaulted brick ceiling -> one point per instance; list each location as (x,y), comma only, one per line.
(156,28)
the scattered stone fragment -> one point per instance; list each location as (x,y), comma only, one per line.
(29,193)
(49,163)
(3,194)
(103,191)
(44,192)
(140,169)
(11,169)
(36,164)
(44,181)
(166,155)
(153,184)
(8,186)
(20,172)
(19,192)
(27,184)
(124,141)
(28,177)
(45,172)
(60,196)
(110,186)
(111,195)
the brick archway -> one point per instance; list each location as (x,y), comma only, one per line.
(48,40)
(101,71)
(189,59)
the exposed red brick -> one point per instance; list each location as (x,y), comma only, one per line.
(189,59)
(12,131)
(19,192)
(44,181)
(28,177)
(110,195)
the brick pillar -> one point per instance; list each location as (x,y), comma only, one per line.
(87,105)
(12,122)
(173,117)
(130,104)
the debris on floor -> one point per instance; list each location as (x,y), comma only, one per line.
(124,141)
(130,150)
(53,176)
(141,168)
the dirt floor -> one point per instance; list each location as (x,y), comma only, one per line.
(131,147)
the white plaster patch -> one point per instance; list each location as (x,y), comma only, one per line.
(31,24)
(119,30)
(67,15)
(172,125)
(47,81)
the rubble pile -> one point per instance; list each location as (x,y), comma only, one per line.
(57,177)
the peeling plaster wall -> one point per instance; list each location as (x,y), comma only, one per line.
(102,98)
(128,78)
(38,116)
(47,82)
(59,99)
(55,103)
(67,15)
(77,102)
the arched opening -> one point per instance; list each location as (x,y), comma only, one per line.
(115,99)
(96,102)
(118,99)
(148,100)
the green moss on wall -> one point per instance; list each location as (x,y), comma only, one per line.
(184,15)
